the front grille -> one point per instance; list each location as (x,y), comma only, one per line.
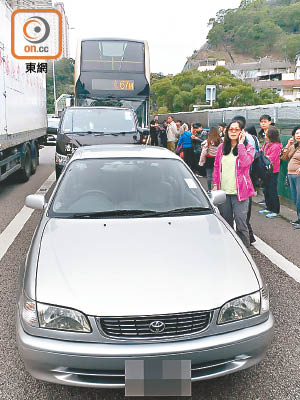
(169,325)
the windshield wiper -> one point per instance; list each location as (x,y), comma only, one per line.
(182,211)
(112,213)
(137,213)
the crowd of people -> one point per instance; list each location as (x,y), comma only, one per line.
(229,155)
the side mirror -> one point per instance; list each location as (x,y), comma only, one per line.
(217,197)
(35,201)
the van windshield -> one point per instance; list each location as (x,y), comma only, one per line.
(98,120)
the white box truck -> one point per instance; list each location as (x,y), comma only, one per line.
(23,113)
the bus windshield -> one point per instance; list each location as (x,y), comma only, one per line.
(98,120)
(112,55)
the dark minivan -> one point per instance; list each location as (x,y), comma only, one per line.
(86,126)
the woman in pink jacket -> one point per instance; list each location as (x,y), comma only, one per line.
(231,174)
(272,149)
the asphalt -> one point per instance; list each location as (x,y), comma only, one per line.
(277,377)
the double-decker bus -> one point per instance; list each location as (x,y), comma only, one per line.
(113,72)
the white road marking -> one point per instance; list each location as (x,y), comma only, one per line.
(10,233)
(291,269)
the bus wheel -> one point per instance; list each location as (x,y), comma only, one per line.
(25,171)
(34,160)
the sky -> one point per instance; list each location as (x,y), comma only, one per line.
(173,29)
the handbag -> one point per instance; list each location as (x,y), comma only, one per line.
(262,167)
(179,149)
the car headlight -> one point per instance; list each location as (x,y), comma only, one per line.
(244,307)
(64,319)
(40,315)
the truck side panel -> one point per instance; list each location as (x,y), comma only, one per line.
(22,95)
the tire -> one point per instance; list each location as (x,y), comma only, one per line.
(24,173)
(34,160)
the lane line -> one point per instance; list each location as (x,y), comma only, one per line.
(12,230)
(281,262)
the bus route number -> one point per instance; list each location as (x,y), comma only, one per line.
(126,85)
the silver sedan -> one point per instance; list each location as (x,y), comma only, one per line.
(132,262)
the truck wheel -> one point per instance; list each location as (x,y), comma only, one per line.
(34,160)
(25,172)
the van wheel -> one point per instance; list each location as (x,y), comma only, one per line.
(25,172)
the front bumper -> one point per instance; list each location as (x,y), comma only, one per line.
(103,365)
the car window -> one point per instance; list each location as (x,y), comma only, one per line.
(53,123)
(98,120)
(98,185)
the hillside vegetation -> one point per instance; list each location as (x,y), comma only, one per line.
(258,28)
(180,92)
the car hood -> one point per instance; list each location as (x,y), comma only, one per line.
(141,266)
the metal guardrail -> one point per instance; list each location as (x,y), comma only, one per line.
(285,115)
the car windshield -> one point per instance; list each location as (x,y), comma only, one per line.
(127,187)
(97,120)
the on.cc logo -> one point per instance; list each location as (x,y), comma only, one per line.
(36,30)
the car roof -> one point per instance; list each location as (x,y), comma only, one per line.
(122,151)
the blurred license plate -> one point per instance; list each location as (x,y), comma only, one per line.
(156,377)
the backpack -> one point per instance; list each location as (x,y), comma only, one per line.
(262,167)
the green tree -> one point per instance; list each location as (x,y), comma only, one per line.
(64,79)
(292,45)
(170,94)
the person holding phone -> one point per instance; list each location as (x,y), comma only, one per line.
(232,174)
(291,152)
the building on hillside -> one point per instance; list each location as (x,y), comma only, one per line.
(280,75)
(210,64)
(265,69)
(65,30)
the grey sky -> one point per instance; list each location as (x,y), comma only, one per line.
(172,29)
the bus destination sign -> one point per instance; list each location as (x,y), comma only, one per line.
(112,84)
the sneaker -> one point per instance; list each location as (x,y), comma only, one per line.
(295,222)
(262,202)
(296,226)
(265,211)
(272,215)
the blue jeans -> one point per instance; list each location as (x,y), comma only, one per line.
(271,194)
(209,175)
(295,191)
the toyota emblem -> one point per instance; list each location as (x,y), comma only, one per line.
(157,326)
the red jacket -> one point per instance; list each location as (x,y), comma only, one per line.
(272,151)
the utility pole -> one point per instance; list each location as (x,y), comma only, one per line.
(54,88)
